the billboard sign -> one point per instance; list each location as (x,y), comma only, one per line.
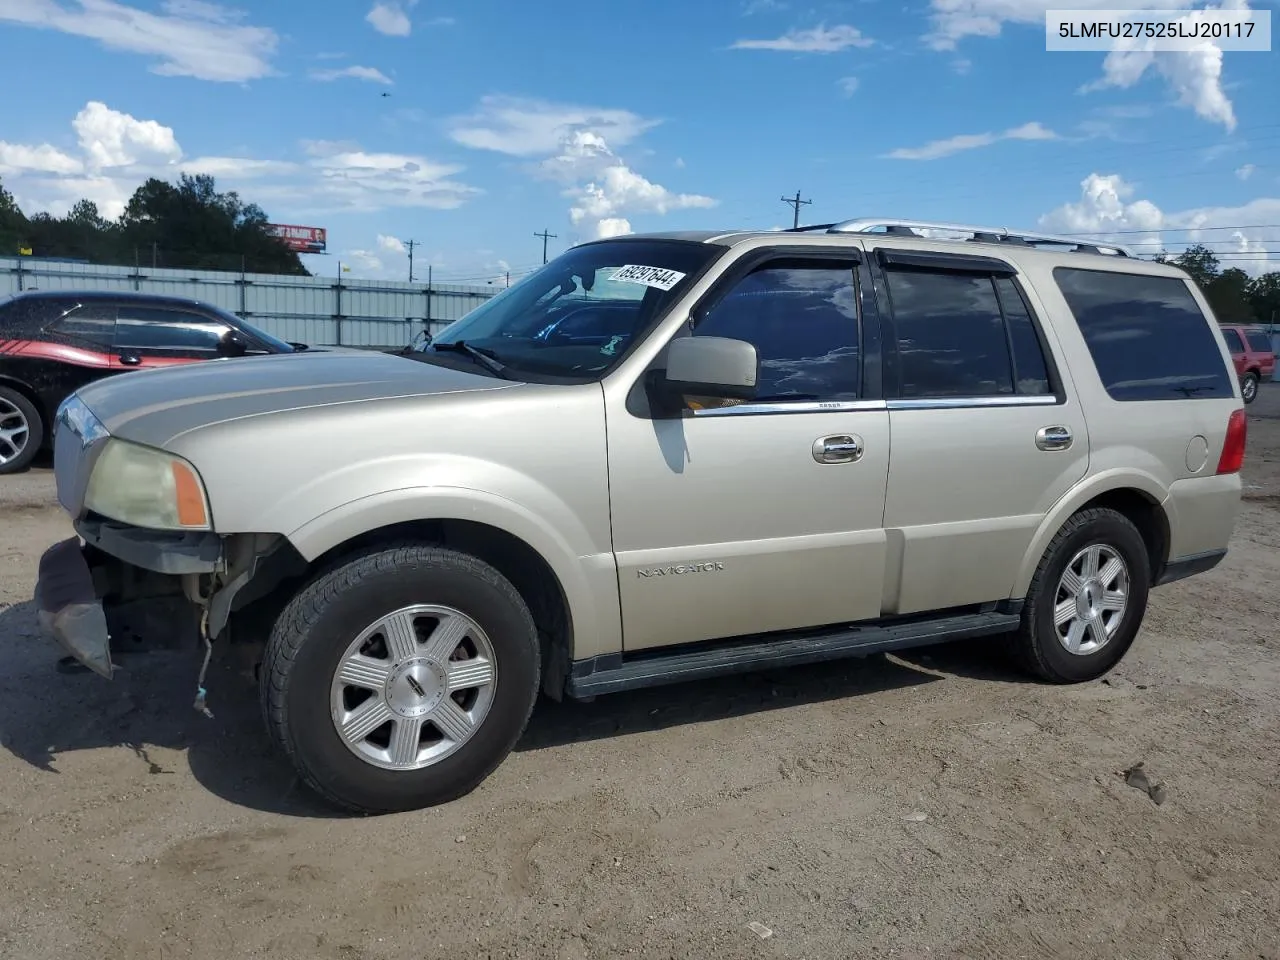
(299,239)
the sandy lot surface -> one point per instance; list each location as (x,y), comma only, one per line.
(926,805)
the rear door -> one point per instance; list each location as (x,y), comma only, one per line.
(985,436)
(1235,346)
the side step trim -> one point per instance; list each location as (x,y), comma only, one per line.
(614,672)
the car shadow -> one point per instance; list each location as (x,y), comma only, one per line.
(148,709)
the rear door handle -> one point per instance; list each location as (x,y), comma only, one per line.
(1053,438)
(841,448)
(130,359)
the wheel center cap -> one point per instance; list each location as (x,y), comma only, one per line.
(416,687)
(1087,599)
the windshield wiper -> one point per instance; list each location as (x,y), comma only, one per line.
(486,358)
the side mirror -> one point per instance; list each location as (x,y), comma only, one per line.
(232,344)
(712,367)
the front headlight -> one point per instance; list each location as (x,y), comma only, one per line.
(147,488)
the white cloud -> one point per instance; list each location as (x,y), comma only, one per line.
(118,152)
(389,17)
(602,188)
(962,66)
(526,127)
(20,158)
(372,181)
(113,139)
(848,85)
(679,164)
(1106,210)
(611,227)
(390,244)
(241,167)
(1194,76)
(819,39)
(188,39)
(1245,172)
(971,141)
(372,74)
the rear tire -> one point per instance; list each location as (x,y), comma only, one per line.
(365,641)
(1249,387)
(1087,599)
(21,431)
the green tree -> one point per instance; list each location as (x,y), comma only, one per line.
(13,225)
(193,225)
(1264,298)
(1228,294)
(1200,262)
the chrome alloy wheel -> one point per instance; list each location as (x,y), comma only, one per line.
(413,687)
(1091,599)
(14,431)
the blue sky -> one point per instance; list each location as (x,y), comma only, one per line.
(590,119)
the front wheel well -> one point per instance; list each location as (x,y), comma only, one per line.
(520,563)
(1145,514)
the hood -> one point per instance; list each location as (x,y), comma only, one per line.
(156,406)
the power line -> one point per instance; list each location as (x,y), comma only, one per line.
(545,237)
(796,203)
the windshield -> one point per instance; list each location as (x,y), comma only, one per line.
(575,317)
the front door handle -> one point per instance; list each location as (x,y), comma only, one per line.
(1053,438)
(841,448)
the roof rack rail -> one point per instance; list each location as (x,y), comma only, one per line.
(977,234)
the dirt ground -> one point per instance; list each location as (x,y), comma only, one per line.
(930,805)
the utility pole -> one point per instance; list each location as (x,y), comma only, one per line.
(410,244)
(796,203)
(545,236)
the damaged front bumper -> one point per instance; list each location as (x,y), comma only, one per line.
(114,590)
(69,609)
(117,589)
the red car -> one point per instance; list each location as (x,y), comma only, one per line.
(1253,355)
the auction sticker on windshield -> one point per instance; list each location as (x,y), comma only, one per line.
(649,276)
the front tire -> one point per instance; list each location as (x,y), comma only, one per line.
(21,431)
(1086,600)
(401,677)
(1249,387)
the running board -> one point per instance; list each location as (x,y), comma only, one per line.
(614,672)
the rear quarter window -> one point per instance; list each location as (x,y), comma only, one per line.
(1261,342)
(1147,335)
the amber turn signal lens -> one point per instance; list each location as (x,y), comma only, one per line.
(191,511)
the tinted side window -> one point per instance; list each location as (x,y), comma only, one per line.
(803,319)
(1234,343)
(1030,371)
(150,328)
(1260,342)
(951,335)
(1147,335)
(93,323)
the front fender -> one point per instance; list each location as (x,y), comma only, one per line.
(1092,487)
(589,580)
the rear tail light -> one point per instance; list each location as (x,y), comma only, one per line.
(1233,447)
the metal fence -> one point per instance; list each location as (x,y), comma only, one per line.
(317,310)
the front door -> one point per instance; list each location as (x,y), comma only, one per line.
(746,518)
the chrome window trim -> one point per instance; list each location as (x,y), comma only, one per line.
(799,406)
(852,406)
(955,403)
